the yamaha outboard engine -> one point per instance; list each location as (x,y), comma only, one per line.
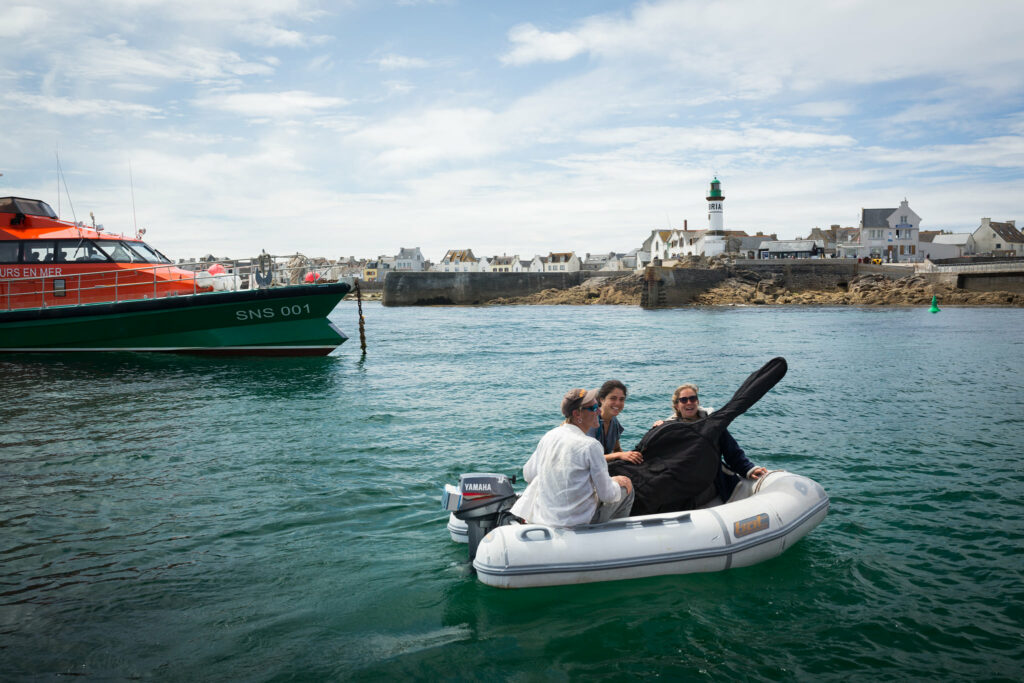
(482,501)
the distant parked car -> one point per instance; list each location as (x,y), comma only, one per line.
(876,261)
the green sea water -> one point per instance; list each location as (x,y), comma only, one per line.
(178,518)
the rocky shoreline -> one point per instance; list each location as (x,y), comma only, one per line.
(754,289)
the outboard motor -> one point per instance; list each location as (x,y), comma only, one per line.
(482,501)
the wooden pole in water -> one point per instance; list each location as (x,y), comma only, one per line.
(362,321)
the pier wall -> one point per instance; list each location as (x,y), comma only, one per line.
(668,287)
(991,282)
(469,289)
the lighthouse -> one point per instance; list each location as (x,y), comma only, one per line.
(715,201)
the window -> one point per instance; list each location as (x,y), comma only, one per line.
(9,251)
(80,251)
(58,287)
(38,252)
(149,255)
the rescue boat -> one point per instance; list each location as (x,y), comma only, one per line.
(761,520)
(68,287)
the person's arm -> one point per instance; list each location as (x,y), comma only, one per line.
(736,459)
(608,488)
(530,468)
(635,457)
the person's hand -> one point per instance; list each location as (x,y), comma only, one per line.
(635,457)
(658,423)
(623,481)
(758,472)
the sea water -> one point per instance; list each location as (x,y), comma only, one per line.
(187,518)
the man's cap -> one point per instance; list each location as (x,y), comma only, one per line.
(574,398)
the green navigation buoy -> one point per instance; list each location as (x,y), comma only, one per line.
(935,305)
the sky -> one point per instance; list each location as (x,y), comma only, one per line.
(356,128)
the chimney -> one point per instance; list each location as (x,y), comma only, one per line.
(684,224)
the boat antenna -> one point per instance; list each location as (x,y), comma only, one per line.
(61,178)
(131,183)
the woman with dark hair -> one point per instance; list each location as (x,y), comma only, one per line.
(612,396)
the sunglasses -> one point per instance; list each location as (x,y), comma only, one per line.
(686,399)
(594,408)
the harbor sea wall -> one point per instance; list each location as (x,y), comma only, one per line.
(469,289)
(667,287)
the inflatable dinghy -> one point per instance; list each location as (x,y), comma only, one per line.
(761,520)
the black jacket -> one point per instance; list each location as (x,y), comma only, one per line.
(681,459)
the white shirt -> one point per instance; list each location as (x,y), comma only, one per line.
(567,475)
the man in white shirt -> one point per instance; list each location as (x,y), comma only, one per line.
(567,474)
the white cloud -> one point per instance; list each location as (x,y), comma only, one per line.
(112,58)
(1006,151)
(266,34)
(66,106)
(760,48)
(20,20)
(432,136)
(825,109)
(533,45)
(290,104)
(391,62)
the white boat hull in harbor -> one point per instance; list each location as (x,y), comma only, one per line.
(760,521)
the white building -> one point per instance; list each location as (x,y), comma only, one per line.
(562,262)
(657,245)
(954,245)
(458,261)
(998,239)
(409,259)
(684,242)
(890,234)
(503,264)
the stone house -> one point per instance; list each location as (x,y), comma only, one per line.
(998,239)
(835,238)
(458,261)
(376,270)
(562,261)
(890,234)
(409,259)
(657,245)
(593,262)
(502,264)
(748,246)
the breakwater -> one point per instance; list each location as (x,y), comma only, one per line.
(789,281)
(470,289)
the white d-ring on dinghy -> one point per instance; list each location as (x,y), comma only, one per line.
(761,520)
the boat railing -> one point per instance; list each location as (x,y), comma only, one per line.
(57,285)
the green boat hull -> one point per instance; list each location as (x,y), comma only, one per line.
(289,321)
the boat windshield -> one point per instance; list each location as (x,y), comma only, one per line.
(80,251)
(29,207)
(149,254)
(131,252)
